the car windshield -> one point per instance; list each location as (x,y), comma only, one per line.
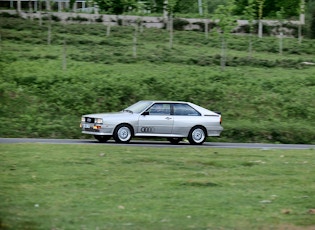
(138,107)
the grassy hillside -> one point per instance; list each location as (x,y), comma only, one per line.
(44,89)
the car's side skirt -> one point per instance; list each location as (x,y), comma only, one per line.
(157,135)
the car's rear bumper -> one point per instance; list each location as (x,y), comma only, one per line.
(214,131)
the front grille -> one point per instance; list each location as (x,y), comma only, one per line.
(89,120)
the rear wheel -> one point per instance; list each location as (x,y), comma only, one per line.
(122,133)
(102,138)
(174,140)
(197,135)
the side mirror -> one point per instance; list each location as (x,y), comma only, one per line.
(145,113)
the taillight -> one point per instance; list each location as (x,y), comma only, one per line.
(220,119)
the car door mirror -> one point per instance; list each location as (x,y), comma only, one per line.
(145,113)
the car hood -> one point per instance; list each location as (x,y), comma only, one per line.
(114,114)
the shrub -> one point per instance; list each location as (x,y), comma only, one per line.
(179,24)
(99,19)
(8,15)
(78,18)
(55,18)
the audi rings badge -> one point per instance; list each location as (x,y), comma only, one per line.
(147,129)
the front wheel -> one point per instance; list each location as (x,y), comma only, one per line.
(122,133)
(102,138)
(197,135)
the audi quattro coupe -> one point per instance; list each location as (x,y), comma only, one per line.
(174,120)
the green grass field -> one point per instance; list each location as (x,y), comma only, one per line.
(45,186)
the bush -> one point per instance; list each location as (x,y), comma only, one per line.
(179,24)
(254,132)
(78,18)
(8,15)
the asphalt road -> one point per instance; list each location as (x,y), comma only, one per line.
(157,144)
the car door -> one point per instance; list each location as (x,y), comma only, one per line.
(156,120)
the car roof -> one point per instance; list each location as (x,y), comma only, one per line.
(199,108)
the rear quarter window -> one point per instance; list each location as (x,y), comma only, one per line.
(184,110)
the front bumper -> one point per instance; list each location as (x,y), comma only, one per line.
(96,129)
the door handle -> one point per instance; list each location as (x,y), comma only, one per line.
(168,118)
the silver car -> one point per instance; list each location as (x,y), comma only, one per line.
(174,120)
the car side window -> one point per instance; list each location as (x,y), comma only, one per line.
(184,110)
(160,109)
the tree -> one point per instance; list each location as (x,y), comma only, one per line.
(40,12)
(64,55)
(200,6)
(310,18)
(48,9)
(206,14)
(312,29)
(30,9)
(186,7)
(260,4)
(116,6)
(140,10)
(0,40)
(271,7)
(213,4)
(301,11)
(72,4)
(170,4)
(135,40)
(106,5)
(288,7)
(250,15)
(280,19)
(226,21)
(108,27)
(18,9)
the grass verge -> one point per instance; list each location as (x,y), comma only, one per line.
(46,186)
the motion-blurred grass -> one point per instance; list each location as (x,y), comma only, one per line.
(45,186)
(44,89)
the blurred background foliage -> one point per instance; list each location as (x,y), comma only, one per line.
(290,9)
(267,97)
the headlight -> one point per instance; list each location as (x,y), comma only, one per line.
(98,120)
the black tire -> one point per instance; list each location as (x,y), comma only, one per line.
(197,135)
(102,138)
(174,140)
(123,133)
